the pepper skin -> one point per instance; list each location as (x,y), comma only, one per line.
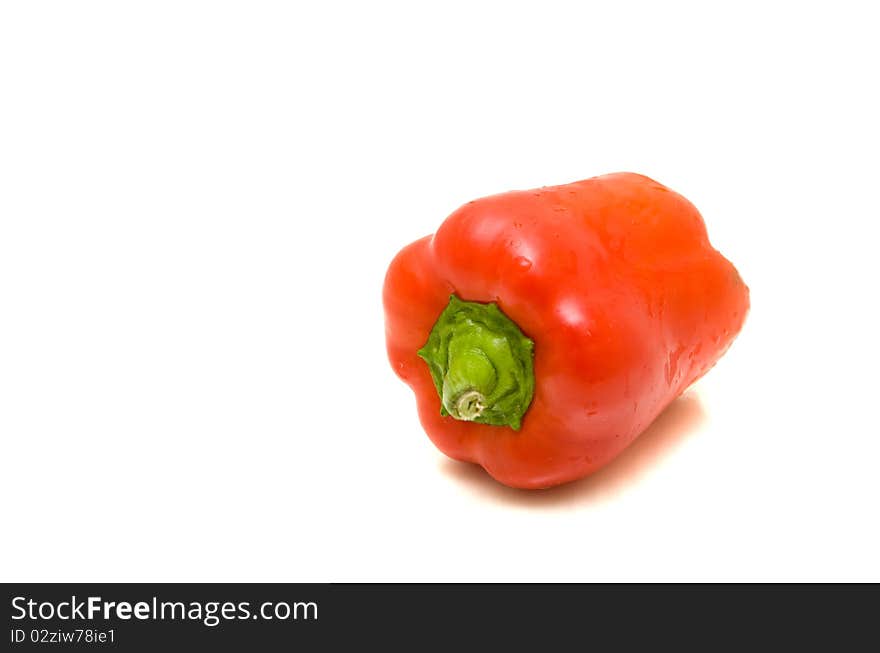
(606,291)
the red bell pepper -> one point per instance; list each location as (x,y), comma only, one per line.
(542,331)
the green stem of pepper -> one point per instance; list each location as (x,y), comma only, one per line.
(481,363)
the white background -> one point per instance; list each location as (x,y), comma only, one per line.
(198,202)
